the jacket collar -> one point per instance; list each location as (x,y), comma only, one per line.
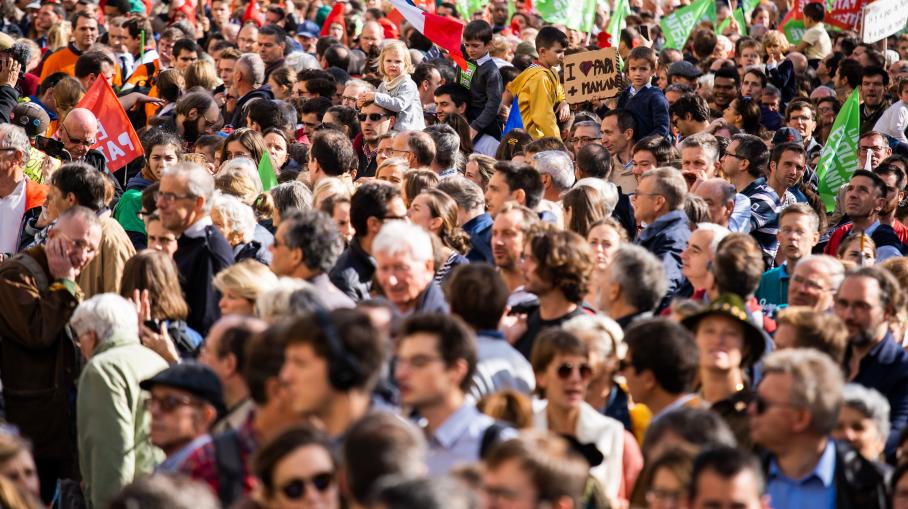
(663,223)
(115,341)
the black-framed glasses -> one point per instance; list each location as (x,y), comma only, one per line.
(295,489)
(736,156)
(78,141)
(375,117)
(566,369)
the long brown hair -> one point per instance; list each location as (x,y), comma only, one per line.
(156,272)
(443,206)
(585,204)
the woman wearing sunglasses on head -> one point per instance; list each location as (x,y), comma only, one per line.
(561,362)
(297,470)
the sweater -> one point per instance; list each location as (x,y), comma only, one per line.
(485,98)
(404,100)
(198,260)
(649,107)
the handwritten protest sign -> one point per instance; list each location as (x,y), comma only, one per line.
(591,75)
(117,139)
(883,18)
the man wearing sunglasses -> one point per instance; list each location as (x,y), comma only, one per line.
(375,122)
(79,132)
(434,368)
(185,401)
(792,414)
(37,299)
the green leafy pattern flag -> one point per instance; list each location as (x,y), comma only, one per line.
(839,157)
(266,172)
(577,15)
(678,25)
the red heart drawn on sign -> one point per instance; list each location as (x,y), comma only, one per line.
(585,67)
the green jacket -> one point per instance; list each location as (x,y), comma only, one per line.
(113,424)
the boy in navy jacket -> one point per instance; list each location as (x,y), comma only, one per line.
(485,84)
(644,101)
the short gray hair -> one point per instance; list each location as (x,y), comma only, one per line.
(558,165)
(870,403)
(587,123)
(255,66)
(275,302)
(14,137)
(198,181)
(356,82)
(395,236)
(641,276)
(107,315)
(670,184)
(607,191)
(816,383)
(236,214)
(245,166)
(719,233)
(706,141)
(466,193)
(608,336)
(832,266)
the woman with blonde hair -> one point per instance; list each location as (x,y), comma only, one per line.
(328,187)
(201,73)
(58,36)
(480,169)
(240,286)
(392,170)
(437,212)
(67,94)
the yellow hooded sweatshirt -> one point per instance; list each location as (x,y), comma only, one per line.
(538,90)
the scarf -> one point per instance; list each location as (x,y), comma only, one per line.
(391,84)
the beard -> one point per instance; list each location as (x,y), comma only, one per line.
(191,131)
(863,338)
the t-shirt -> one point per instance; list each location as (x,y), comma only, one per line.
(12,208)
(820,45)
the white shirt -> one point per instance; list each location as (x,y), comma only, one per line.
(12,208)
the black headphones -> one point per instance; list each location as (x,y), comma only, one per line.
(344,371)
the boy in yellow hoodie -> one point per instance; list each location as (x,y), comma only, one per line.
(538,88)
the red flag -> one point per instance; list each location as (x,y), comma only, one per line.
(253,13)
(117,139)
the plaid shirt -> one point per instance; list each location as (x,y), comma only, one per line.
(202,466)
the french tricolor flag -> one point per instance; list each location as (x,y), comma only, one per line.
(446,32)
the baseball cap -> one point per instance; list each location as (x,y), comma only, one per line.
(684,69)
(307,29)
(30,117)
(194,378)
(786,135)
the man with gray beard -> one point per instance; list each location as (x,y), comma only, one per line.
(866,301)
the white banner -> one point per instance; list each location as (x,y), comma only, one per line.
(883,18)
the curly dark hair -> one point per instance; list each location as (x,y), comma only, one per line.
(565,259)
(315,233)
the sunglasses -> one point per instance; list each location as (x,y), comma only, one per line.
(375,117)
(567,369)
(762,405)
(295,489)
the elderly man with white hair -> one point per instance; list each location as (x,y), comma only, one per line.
(184,203)
(405,269)
(112,420)
(236,222)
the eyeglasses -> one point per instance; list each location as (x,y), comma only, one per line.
(295,489)
(165,197)
(585,140)
(391,152)
(862,307)
(736,156)
(78,141)
(762,405)
(168,404)
(876,149)
(81,245)
(567,369)
(813,285)
(375,117)
(346,99)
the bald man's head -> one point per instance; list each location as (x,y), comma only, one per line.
(719,195)
(79,132)
(371,36)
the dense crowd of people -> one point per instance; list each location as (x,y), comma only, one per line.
(350,268)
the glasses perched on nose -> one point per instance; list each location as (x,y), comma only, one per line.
(168,404)
(78,141)
(813,285)
(295,489)
(565,370)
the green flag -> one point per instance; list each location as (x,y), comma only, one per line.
(678,25)
(839,157)
(577,15)
(266,172)
(613,28)
(466,8)
(738,14)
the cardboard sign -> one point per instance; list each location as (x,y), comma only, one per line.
(883,18)
(591,75)
(117,140)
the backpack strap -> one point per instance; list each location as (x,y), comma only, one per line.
(230,467)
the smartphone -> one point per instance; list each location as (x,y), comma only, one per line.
(154,325)
(52,147)
(644,31)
